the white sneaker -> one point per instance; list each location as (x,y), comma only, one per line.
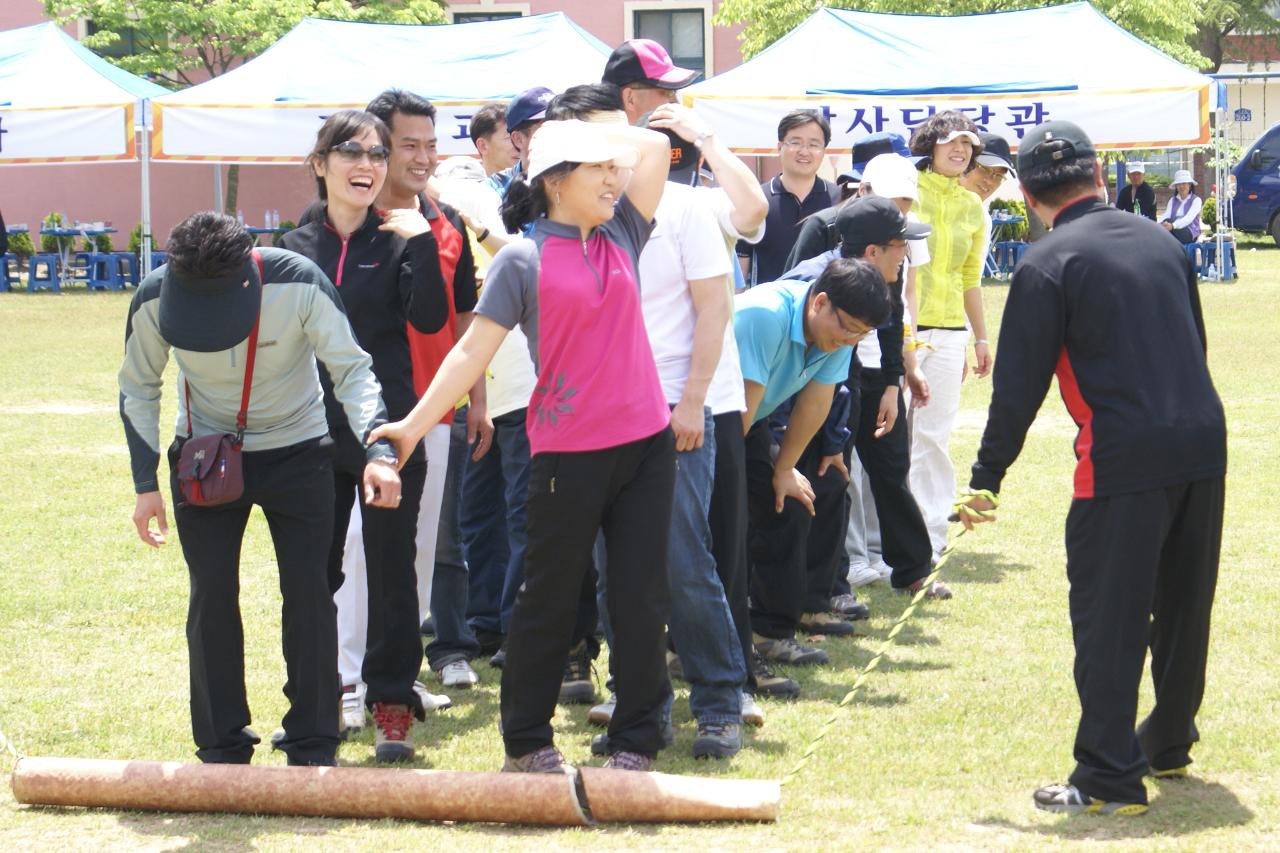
(431,701)
(883,569)
(458,674)
(602,714)
(752,713)
(860,574)
(353,710)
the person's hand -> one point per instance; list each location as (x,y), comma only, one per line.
(381,485)
(835,460)
(680,119)
(1168,226)
(979,504)
(689,424)
(888,414)
(147,506)
(405,222)
(479,431)
(790,483)
(982,353)
(919,386)
(402,438)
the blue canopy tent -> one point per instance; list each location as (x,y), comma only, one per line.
(268,110)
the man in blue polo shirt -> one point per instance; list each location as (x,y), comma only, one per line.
(794,338)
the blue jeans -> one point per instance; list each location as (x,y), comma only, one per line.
(494,493)
(454,639)
(701,625)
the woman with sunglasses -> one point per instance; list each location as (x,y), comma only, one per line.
(948,304)
(386,269)
(603,455)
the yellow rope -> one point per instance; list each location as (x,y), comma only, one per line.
(961,506)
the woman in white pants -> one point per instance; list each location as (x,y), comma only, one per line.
(949,305)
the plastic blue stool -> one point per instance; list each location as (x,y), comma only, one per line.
(12,268)
(104,272)
(159,259)
(128,266)
(1227,269)
(48,264)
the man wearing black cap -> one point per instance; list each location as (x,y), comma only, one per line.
(1108,303)
(203,305)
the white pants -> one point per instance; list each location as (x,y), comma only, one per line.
(862,539)
(933,477)
(352,598)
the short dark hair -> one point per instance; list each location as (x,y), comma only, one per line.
(337,129)
(935,127)
(857,288)
(799,118)
(580,101)
(208,245)
(394,101)
(1054,183)
(486,121)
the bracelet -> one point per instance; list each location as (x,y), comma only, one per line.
(701,139)
(482,236)
(981,341)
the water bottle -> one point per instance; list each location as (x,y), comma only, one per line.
(240,216)
(1212,274)
(275,219)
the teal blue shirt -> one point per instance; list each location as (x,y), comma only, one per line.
(768,321)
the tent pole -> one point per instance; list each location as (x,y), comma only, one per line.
(217,187)
(146,189)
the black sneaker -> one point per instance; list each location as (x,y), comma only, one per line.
(490,641)
(499,657)
(717,740)
(1068,799)
(428,627)
(600,743)
(762,681)
(849,606)
(578,687)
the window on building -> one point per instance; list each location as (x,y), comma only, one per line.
(126,45)
(680,31)
(473,17)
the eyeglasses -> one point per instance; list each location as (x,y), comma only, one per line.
(351,152)
(800,145)
(850,334)
(992,174)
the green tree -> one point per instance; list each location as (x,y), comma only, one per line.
(1223,18)
(1170,25)
(181,42)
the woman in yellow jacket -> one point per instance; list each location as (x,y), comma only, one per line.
(949,306)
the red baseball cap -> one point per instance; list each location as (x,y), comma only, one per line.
(646,61)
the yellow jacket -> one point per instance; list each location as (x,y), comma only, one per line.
(955,250)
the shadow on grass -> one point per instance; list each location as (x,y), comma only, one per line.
(1178,807)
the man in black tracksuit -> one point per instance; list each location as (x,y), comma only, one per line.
(1108,303)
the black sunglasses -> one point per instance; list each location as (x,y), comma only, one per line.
(352,151)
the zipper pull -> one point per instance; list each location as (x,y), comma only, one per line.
(553,485)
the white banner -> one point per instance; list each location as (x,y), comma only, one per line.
(275,134)
(1150,118)
(63,134)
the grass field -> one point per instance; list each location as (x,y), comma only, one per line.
(971,712)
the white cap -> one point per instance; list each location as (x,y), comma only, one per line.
(574,141)
(1138,167)
(956,134)
(892,176)
(1182,176)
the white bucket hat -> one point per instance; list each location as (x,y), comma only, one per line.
(1183,176)
(574,141)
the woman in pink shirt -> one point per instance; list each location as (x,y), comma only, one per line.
(603,456)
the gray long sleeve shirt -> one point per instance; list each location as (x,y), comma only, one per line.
(302,320)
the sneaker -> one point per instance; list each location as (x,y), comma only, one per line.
(825,623)
(883,569)
(428,627)
(499,657)
(1172,773)
(459,674)
(546,759)
(752,713)
(789,651)
(937,590)
(675,669)
(489,641)
(353,708)
(1068,799)
(717,740)
(601,714)
(578,688)
(849,607)
(860,574)
(600,743)
(623,760)
(394,740)
(431,701)
(762,681)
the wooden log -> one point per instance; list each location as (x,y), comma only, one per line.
(624,796)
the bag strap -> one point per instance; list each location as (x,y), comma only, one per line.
(242,415)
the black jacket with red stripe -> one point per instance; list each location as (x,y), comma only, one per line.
(1107,302)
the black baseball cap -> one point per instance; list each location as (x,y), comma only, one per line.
(1053,142)
(647,62)
(684,155)
(209,314)
(528,106)
(995,152)
(874,220)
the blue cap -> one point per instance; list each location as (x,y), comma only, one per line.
(869,146)
(529,105)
